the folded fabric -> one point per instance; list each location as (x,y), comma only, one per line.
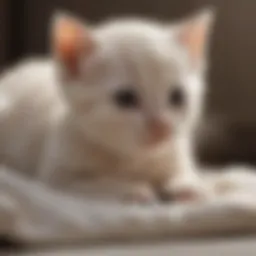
(31,212)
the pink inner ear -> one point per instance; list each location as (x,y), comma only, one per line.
(70,42)
(194,35)
(196,41)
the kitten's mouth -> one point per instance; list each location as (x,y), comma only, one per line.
(156,139)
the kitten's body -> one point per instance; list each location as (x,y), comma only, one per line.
(30,106)
(57,122)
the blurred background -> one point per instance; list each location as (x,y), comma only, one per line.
(228,133)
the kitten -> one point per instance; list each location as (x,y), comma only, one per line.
(117,102)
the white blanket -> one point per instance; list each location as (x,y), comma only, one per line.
(33,213)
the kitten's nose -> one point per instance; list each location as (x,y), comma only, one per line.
(158,129)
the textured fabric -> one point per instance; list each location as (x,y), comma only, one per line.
(33,213)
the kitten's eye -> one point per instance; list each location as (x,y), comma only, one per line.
(126,99)
(177,97)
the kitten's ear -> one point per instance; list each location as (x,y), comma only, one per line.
(71,40)
(194,34)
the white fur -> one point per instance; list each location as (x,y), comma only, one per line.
(68,130)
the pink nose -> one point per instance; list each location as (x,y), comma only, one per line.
(158,130)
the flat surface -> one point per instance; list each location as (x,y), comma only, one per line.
(227,247)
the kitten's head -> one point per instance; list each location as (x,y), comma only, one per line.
(132,84)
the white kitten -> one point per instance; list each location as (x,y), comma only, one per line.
(117,102)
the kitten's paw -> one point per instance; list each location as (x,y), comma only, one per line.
(142,194)
(185,192)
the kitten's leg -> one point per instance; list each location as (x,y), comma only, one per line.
(82,184)
(140,193)
(114,189)
(182,188)
(107,188)
(185,183)
(61,169)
